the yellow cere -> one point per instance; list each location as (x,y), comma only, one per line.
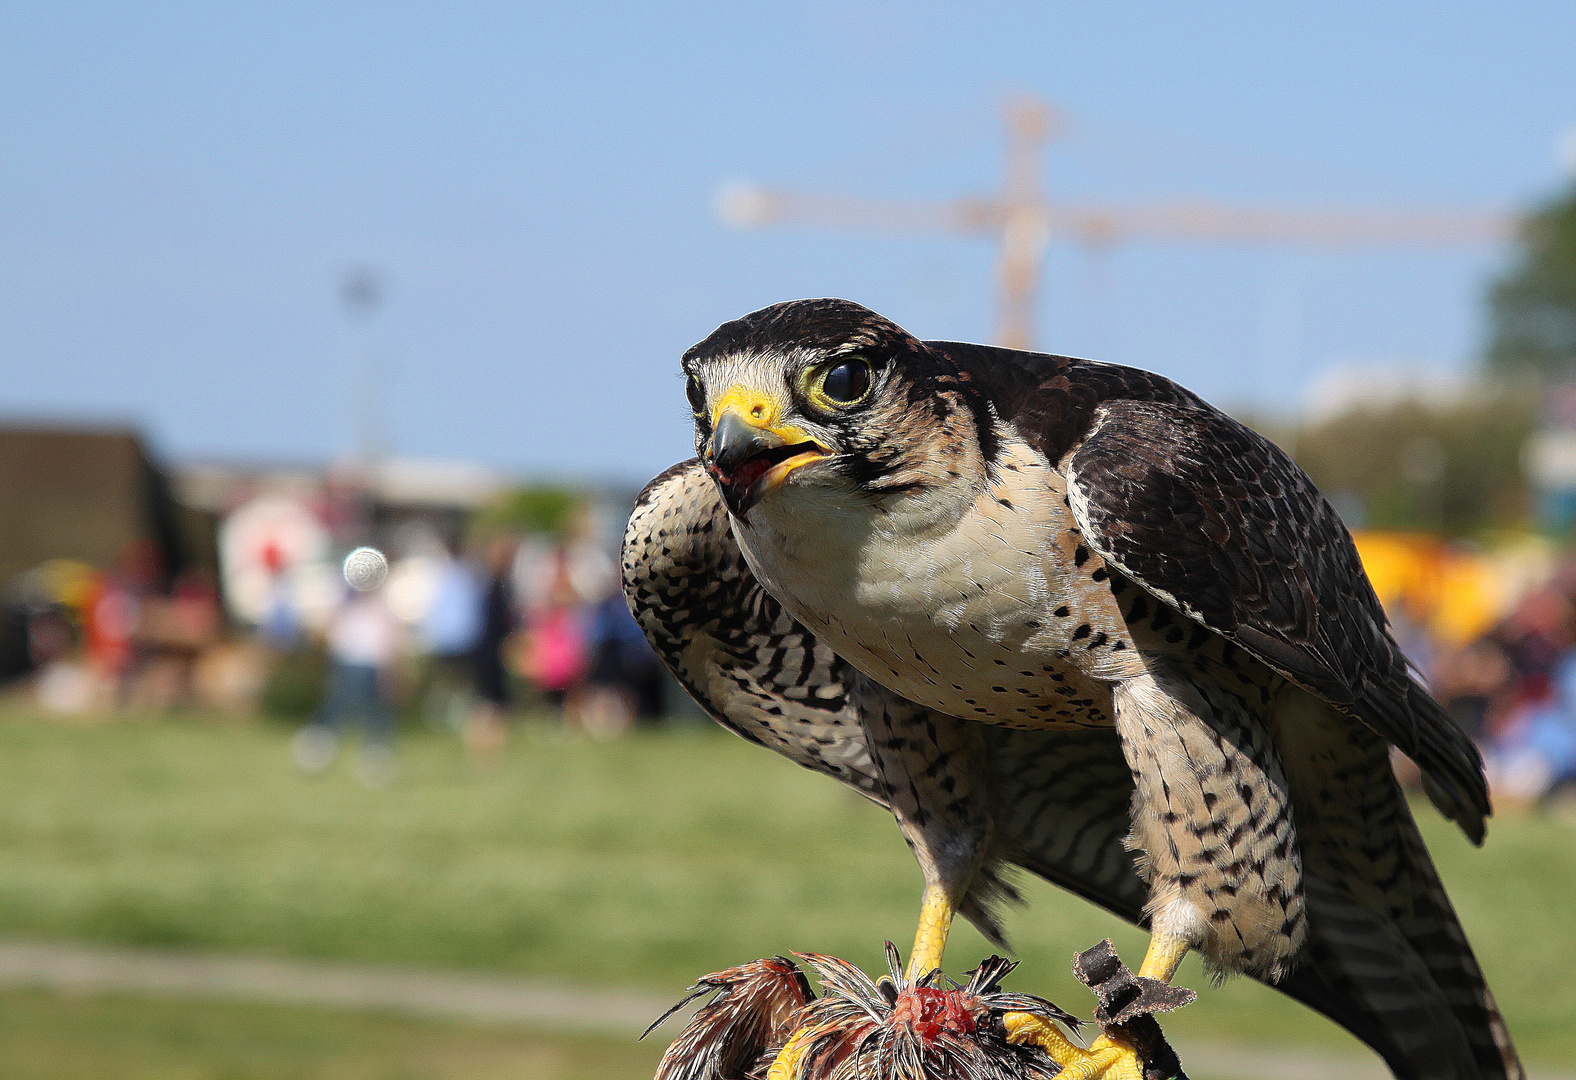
(757,409)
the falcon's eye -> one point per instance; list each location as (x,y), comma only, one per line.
(846,382)
(696,395)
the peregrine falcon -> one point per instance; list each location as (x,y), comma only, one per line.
(1066,616)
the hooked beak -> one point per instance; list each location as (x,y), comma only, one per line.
(750,460)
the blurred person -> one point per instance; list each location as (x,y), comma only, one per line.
(1475,685)
(113,614)
(552,649)
(1513,691)
(1531,745)
(575,560)
(194,604)
(363,641)
(623,682)
(281,626)
(1534,754)
(173,631)
(1539,631)
(452,625)
(47,620)
(450,632)
(486,726)
(49,636)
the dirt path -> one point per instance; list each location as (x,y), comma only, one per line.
(91,969)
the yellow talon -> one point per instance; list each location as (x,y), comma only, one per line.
(1108,1057)
(1027,1028)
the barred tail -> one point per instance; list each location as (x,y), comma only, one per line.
(1397,971)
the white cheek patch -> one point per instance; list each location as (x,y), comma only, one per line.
(767,375)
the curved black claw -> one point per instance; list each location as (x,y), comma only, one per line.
(1127,1006)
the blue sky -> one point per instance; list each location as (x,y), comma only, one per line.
(184,186)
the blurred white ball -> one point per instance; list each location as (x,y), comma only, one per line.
(365,569)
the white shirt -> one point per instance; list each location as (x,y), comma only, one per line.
(364,631)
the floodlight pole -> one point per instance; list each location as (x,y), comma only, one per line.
(361,293)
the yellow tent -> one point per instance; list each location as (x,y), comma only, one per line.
(1456,592)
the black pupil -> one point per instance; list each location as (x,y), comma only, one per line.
(847,381)
(697,397)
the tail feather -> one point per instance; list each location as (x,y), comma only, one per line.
(1386,957)
(1362,972)
(1389,961)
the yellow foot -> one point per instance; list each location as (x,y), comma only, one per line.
(1108,1057)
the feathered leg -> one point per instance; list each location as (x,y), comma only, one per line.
(934,769)
(1213,831)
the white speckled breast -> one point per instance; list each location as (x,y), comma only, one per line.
(989,607)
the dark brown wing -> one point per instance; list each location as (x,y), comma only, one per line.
(1062,802)
(1217,521)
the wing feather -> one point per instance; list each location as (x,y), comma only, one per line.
(754,668)
(1218,521)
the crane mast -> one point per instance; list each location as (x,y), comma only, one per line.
(1023,220)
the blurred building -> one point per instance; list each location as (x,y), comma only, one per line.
(90,528)
(89,494)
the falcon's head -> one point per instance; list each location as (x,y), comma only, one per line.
(825,401)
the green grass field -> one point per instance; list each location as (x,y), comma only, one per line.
(50,1037)
(640,863)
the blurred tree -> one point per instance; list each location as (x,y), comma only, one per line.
(1454,470)
(1533,307)
(541,509)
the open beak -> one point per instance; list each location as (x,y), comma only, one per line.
(752,459)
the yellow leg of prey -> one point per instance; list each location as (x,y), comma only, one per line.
(930,940)
(1163,957)
(1107,1058)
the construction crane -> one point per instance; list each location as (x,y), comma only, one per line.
(1023,221)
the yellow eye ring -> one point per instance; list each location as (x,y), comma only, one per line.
(840,383)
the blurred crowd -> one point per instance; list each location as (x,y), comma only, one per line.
(1513,689)
(1492,630)
(474,627)
(470,639)
(129,637)
(468,630)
